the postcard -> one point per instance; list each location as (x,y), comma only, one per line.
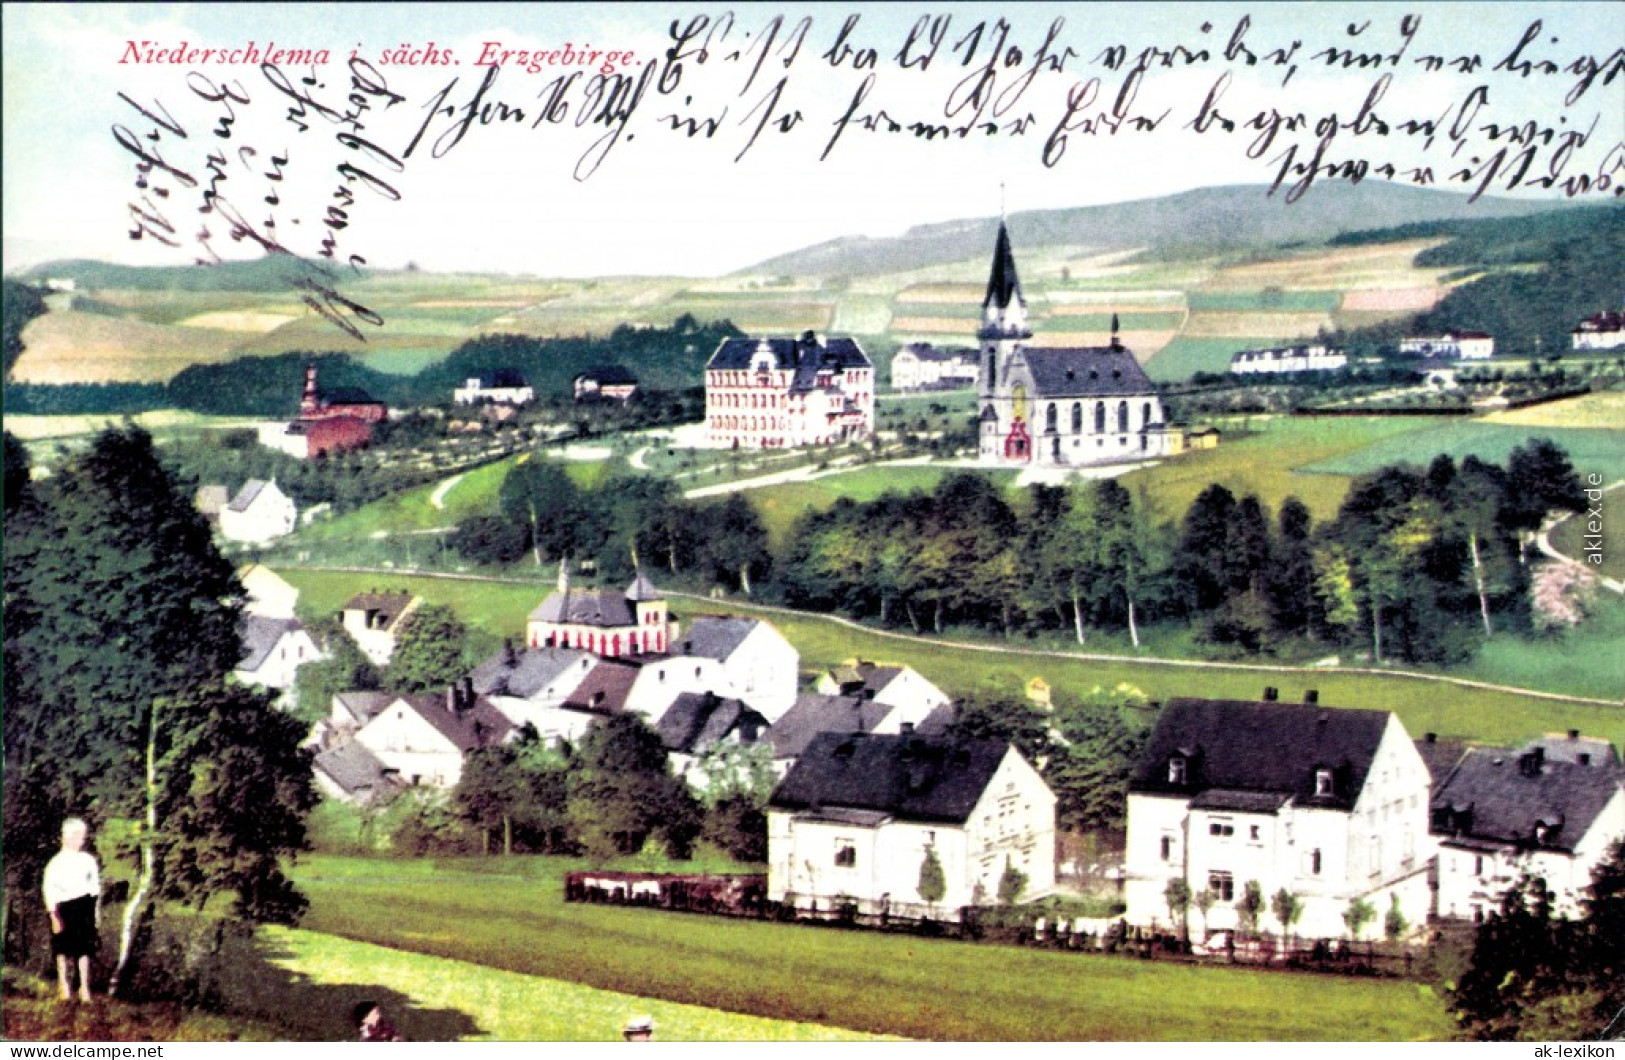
(814,522)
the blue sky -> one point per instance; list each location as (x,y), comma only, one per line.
(509,197)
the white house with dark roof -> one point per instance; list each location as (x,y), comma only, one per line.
(1600,331)
(781,393)
(259,514)
(697,723)
(605,382)
(1285,359)
(817,713)
(349,772)
(1057,407)
(757,664)
(1328,804)
(423,739)
(273,651)
(603,621)
(375,619)
(854,818)
(902,687)
(1552,809)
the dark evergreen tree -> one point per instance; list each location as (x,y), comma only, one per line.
(1203,543)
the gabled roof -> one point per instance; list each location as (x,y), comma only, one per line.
(476,724)
(356,770)
(805,353)
(502,379)
(524,673)
(387,606)
(697,721)
(911,777)
(609,375)
(1003,285)
(1440,756)
(363,706)
(1274,748)
(249,494)
(261,636)
(865,678)
(604,608)
(348,395)
(1086,371)
(814,714)
(716,636)
(1502,797)
(604,689)
(926,352)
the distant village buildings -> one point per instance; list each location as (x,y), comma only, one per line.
(1465,345)
(1600,331)
(1285,359)
(783,393)
(334,421)
(505,386)
(605,382)
(922,366)
(1057,407)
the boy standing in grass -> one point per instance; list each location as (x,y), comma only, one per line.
(73,891)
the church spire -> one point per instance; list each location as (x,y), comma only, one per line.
(1002,282)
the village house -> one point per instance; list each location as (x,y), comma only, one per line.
(605,382)
(756,663)
(782,393)
(1552,810)
(1057,407)
(901,687)
(1329,805)
(350,773)
(1465,345)
(817,713)
(273,651)
(697,723)
(922,366)
(505,386)
(423,739)
(1600,331)
(855,818)
(603,621)
(267,592)
(1287,359)
(374,620)
(259,514)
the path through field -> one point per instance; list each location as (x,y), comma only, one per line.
(1543,541)
(438,497)
(438,999)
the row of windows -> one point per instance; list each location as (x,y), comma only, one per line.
(1312,860)
(1052,417)
(774,377)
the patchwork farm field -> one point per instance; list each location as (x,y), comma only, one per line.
(1597,449)
(961,666)
(508,914)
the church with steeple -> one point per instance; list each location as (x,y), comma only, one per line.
(1057,407)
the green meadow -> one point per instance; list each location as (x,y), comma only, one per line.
(509,915)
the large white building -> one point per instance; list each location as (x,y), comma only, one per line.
(1467,345)
(854,819)
(786,392)
(1600,331)
(1329,805)
(922,366)
(1057,407)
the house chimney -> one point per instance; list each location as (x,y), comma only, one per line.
(1574,734)
(1311,696)
(1529,762)
(1430,737)
(451,698)
(1585,758)
(1271,694)
(907,728)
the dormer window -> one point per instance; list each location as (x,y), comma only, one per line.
(1323,782)
(1176,769)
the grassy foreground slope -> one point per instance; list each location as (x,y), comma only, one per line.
(1424,706)
(509,914)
